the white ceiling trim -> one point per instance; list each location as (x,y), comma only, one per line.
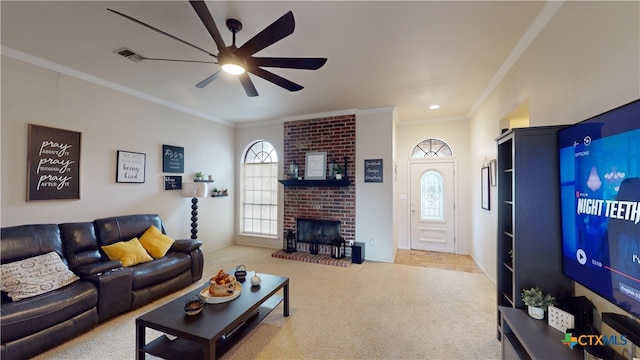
(532,32)
(34,60)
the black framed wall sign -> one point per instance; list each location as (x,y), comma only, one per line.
(53,163)
(373,170)
(131,167)
(172,159)
(173,182)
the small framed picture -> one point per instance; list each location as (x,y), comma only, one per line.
(315,166)
(485,181)
(172,159)
(173,182)
(131,166)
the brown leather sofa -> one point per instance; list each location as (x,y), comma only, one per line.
(105,289)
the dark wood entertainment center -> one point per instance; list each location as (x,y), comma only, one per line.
(529,242)
(529,245)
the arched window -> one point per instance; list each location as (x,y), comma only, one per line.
(260,190)
(431,148)
(431,191)
(261,152)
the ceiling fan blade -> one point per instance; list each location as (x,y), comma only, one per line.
(179,60)
(288,62)
(208,80)
(205,16)
(278,30)
(276,79)
(160,31)
(247,84)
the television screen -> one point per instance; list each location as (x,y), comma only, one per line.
(600,199)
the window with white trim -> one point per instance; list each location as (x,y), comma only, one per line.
(260,190)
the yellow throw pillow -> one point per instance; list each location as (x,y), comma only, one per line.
(130,252)
(155,242)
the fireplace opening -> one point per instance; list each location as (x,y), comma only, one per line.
(317,231)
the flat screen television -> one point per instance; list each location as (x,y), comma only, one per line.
(600,202)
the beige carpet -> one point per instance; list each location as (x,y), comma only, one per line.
(368,311)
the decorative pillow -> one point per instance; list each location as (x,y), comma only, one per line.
(35,276)
(128,252)
(155,242)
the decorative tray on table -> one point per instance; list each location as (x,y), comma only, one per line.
(209,299)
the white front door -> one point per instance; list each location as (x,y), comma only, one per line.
(432,206)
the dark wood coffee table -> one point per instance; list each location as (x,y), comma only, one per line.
(213,331)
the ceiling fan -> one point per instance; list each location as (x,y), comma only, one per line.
(240,60)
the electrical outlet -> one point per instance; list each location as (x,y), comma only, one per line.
(560,319)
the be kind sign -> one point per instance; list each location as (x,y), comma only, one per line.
(53,164)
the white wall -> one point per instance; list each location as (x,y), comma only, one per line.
(374,201)
(584,62)
(456,134)
(111,121)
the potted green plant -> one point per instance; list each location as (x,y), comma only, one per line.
(199,175)
(339,171)
(537,302)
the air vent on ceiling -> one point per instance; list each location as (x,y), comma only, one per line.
(129,55)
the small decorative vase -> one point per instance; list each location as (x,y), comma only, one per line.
(536,312)
(255,280)
(338,176)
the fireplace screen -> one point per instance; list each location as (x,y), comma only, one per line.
(315,230)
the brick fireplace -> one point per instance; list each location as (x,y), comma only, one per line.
(337,136)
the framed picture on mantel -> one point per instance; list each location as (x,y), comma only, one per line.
(315,166)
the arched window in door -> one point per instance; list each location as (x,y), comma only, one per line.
(431,148)
(431,191)
(260,190)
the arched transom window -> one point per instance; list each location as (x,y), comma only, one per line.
(431,148)
(431,191)
(261,152)
(260,190)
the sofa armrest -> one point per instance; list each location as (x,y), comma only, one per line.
(186,245)
(97,268)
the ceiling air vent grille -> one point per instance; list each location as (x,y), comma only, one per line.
(129,55)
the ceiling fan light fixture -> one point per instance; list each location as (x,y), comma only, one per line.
(233,69)
(231,64)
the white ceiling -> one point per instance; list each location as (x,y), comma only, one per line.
(404,54)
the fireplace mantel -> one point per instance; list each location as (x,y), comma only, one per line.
(316,183)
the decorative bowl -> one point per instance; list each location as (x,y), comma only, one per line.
(194,306)
(225,289)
